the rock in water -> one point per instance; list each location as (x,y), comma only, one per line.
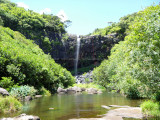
(23,117)
(92,91)
(28,98)
(61,90)
(4,92)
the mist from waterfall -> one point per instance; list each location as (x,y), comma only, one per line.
(77,54)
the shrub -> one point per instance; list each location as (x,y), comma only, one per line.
(22,91)
(136,59)
(151,108)
(9,104)
(27,64)
(7,83)
(43,91)
(90,85)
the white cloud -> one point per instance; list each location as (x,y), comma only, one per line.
(21,4)
(62,15)
(46,11)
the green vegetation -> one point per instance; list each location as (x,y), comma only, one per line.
(23,91)
(44,29)
(151,108)
(133,68)
(22,62)
(120,28)
(44,92)
(90,85)
(7,83)
(9,104)
(134,65)
(26,63)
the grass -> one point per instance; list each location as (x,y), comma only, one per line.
(151,108)
(90,85)
(9,104)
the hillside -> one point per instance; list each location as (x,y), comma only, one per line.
(46,30)
(23,61)
(133,68)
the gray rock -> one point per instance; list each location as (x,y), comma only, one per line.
(38,96)
(23,117)
(61,90)
(119,114)
(77,89)
(83,89)
(84,78)
(62,93)
(99,92)
(118,106)
(130,112)
(28,98)
(70,91)
(4,92)
(92,91)
(104,106)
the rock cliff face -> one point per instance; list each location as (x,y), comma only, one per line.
(93,49)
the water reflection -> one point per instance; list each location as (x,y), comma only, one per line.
(74,106)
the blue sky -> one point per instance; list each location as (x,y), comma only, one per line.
(87,15)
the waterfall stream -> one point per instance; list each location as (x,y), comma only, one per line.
(77,54)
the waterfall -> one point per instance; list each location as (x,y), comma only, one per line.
(77,54)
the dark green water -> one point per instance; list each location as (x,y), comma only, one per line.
(73,106)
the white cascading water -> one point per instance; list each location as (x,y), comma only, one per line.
(77,54)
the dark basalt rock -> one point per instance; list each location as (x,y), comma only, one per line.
(93,49)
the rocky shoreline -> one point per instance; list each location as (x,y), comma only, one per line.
(23,117)
(115,112)
(118,113)
(75,89)
(84,78)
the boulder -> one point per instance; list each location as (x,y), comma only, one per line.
(118,106)
(83,89)
(127,112)
(61,93)
(28,98)
(4,92)
(77,89)
(99,92)
(61,90)
(106,107)
(92,91)
(23,117)
(84,78)
(70,91)
(38,96)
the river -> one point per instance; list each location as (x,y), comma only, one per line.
(73,106)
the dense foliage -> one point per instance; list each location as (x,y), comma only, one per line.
(44,29)
(151,108)
(7,83)
(9,104)
(22,91)
(134,65)
(23,62)
(89,85)
(44,92)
